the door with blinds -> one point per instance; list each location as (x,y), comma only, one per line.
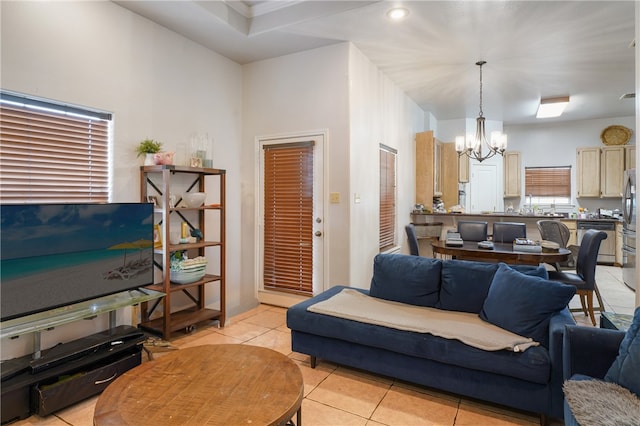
(291,215)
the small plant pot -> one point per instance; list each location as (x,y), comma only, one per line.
(149,160)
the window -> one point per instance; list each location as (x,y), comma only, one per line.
(548,185)
(51,152)
(387,197)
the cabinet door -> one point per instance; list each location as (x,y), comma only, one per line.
(573,237)
(630,157)
(463,168)
(611,171)
(437,169)
(512,182)
(424,168)
(588,172)
(449,172)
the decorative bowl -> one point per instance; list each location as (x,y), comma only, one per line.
(194,199)
(187,276)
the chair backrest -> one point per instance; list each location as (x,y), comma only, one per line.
(472,230)
(413,240)
(588,256)
(506,232)
(554,230)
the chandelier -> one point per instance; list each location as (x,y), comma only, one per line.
(472,146)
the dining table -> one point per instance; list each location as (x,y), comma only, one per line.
(501,252)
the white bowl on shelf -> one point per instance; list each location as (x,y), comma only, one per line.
(187,276)
(194,199)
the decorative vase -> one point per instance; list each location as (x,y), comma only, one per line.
(148,159)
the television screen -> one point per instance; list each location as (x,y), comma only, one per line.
(53,255)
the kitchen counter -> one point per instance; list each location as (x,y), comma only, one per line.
(508,217)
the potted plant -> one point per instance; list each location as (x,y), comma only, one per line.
(148,147)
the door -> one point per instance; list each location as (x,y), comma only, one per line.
(483,188)
(291,217)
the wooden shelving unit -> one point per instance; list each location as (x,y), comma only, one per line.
(158,181)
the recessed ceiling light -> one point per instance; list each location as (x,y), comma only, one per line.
(398,13)
(552,107)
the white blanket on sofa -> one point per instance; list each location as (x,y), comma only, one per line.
(463,326)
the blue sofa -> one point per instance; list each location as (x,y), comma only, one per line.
(530,380)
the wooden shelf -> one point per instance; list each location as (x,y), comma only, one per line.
(182,320)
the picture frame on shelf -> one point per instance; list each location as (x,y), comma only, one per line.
(157,236)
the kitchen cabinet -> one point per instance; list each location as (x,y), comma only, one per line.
(587,173)
(167,180)
(573,232)
(629,157)
(512,174)
(463,168)
(611,171)
(437,169)
(448,167)
(425,160)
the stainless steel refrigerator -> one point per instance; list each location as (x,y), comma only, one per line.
(629,229)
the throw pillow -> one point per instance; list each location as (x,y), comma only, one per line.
(465,284)
(594,402)
(408,279)
(524,304)
(625,370)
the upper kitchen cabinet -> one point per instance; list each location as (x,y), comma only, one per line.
(629,157)
(512,180)
(587,173)
(425,170)
(611,171)
(463,168)
(600,170)
(436,170)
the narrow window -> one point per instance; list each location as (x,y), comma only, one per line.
(387,197)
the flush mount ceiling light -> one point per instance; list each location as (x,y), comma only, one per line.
(472,145)
(397,13)
(552,107)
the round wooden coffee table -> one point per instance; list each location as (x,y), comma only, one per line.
(212,385)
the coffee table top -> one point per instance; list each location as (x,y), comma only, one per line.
(211,384)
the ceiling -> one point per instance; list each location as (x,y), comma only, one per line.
(533,49)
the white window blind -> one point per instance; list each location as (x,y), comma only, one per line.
(52,153)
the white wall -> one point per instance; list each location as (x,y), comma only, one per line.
(292,94)
(156,83)
(555,144)
(379,114)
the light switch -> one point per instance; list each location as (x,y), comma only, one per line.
(356,198)
(334,197)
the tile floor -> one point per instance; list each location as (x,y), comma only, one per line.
(336,395)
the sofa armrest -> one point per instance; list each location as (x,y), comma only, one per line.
(589,351)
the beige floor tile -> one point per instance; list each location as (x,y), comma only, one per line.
(270,318)
(472,413)
(211,339)
(402,406)
(312,377)
(243,331)
(273,339)
(80,414)
(318,414)
(349,392)
(247,314)
(51,420)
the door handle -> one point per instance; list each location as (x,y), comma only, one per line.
(318,234)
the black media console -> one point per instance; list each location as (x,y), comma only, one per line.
(67,373)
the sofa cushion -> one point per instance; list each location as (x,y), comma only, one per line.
(523,304)
(625,370)
(532,365)
(465,284)
(409,279)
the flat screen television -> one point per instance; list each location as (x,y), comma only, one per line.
(53,255)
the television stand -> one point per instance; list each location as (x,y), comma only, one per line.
(34,383)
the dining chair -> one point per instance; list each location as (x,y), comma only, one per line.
(412,239)
(506,232)
(584,279)
(472,230)
(558,232)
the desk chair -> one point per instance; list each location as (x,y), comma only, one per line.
(472,230)
(412,239)
(558,232)
(506,232)
(585,277)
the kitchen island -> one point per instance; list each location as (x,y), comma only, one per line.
(448,221)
